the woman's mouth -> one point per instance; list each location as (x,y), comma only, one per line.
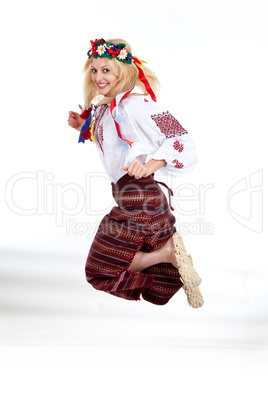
(102,85)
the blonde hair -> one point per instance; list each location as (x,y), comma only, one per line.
(127,74)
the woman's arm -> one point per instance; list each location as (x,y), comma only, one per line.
(153,165)
(138,170)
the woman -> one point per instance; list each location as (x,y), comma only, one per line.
(136,251)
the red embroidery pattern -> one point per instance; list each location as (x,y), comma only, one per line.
(99,115)
(178,146)
(168,125)
(178,164)
(99,137)
(98,129)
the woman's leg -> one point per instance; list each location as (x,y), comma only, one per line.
(144,260)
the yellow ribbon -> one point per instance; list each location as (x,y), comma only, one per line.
(91,129)
(139,64)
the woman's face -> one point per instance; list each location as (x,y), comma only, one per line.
(102,76)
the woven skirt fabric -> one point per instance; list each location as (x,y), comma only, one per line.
(141,221)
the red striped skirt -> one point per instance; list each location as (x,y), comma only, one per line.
(141,221)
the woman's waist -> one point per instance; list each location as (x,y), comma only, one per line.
(128,191)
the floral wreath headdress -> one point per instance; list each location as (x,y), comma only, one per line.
(101,48)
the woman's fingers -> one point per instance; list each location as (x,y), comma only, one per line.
(132,168)
(136,169)
(74,119)
(72,122)
(140,173)
(137,172)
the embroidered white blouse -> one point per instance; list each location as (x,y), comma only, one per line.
(155,134)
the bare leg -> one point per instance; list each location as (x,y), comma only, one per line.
(166,253)
(144,260)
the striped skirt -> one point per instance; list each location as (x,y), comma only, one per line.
(141,221)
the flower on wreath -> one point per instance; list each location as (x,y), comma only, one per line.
(101,49)
(113,51)
(178,146)
(123,54)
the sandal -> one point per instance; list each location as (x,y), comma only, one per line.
(189,276)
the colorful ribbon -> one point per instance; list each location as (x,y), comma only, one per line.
(138,64)
(117,116)
(86,132)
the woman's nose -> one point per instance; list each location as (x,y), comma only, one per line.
(98,76)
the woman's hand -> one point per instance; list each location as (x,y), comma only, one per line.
(136,169)
(75,121)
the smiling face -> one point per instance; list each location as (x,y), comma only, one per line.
(102,76)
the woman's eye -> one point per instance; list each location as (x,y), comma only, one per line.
(106,70)
(93,70)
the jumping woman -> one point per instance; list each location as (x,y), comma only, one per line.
(136,250)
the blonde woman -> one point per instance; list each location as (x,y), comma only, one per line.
(136,251)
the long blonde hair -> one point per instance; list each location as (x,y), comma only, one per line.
(127,74)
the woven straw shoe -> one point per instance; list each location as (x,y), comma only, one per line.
(194,297)
(190,278)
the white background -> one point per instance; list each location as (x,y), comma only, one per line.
(61,339)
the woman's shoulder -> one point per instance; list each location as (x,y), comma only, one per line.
(141,103)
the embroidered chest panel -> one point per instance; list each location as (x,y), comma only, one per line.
(168,125)
(99,137)
(98,127)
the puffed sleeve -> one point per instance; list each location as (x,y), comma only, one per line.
(163,136)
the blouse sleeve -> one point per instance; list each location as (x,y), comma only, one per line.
(164,136)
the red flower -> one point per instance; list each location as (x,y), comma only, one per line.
(94,50)
(93,42)
(111,51)
(86,134)
(86,113)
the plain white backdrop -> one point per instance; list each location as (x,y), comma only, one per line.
(211,59)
